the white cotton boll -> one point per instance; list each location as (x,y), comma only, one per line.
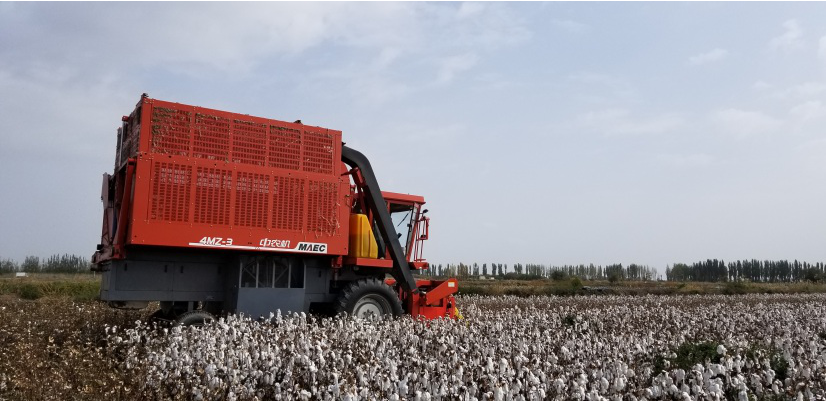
(515,355)
(619,384)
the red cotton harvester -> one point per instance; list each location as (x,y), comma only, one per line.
(212,212)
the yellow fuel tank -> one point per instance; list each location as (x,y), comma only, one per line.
(362,240)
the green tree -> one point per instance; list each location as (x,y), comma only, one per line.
(31,264)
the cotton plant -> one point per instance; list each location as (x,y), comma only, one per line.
(506,348)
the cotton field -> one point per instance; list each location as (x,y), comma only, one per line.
(507,348)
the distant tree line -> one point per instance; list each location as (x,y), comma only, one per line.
(53,264)
(518,271)
(766,271)
(711,270)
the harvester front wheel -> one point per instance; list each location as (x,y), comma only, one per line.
(369,297)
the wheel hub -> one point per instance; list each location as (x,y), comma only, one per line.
(371,305)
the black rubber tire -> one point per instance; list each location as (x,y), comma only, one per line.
(368,296)
(195,318)
(160,317)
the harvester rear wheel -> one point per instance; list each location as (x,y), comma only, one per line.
(195,318)
(369,297)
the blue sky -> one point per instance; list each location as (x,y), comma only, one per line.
(555,133)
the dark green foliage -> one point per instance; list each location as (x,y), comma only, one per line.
(558,275)
(692,353)
(86,289)
(8,266)
(569,320)
(779,365)
(472,290)
(576,283)
(768,271)
(735,287)
(29,291)
(658,365)
(813,274)
(777,362)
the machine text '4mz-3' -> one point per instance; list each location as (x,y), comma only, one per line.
(264,244)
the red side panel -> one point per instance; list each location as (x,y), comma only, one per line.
(209,178)
(434,300)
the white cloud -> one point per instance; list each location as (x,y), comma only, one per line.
(811,154)
(761,86)
(470,9)
(615,86)
(621,122)
(683,160)
(487,25)
(821,50)
(450,66)
(791,39)
(744,123)
(704,58)
(811,110)
(386,57)
(810,88)
(806,89)
(571,26)
(182,42)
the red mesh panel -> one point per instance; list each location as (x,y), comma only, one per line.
(212,192)
(211,137)
(318,152)
(322,216)
(288,203)
(285,148)
(249,142)
(252,196)
(171,131)
(170,192)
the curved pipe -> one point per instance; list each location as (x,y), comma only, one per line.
(375,201)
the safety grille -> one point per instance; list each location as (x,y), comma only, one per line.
(211,137)
(318,152)
(249,142)
(252,193)
(171,131)
(288,203)
(322,208)
(285,148)
(212,195)
(170,192)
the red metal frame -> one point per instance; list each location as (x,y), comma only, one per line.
(422,233)
(125,210)
(215,179)
(414,255)
(403,198)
